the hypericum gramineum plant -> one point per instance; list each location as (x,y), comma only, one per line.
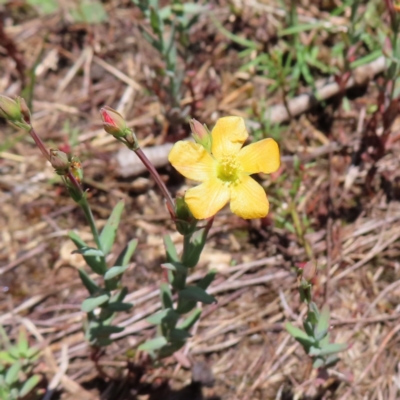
(223,167)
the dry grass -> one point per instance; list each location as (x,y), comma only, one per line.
(355,234)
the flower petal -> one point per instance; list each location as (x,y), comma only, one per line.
(248,199)
(228,136)
(207,199)
(192,161)
(262,156)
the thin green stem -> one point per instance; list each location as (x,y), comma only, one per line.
(90,219)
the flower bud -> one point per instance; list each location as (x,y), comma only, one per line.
(114,123)
(201,134)
(76,168)
(59,161)
(10,109)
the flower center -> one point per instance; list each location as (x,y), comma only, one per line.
(228,169)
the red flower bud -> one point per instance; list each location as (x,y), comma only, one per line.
(113,122)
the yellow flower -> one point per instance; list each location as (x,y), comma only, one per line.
(225,172)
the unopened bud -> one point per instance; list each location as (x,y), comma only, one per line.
(114,123)
(59,161)
(201,134)
(15,111)
(9,109)
(76,168)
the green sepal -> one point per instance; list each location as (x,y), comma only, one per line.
(96,262)
(126,254)
(197,294)
(88,282)
(89,304)
(107,236)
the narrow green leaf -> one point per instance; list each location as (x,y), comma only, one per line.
(163,316)
(322,326)
(22,343)
(179,335)
(119,296)
(302,28)
(12,373)
(5,357)
(115,271)
(106,330)
(14,352)
(205,282)
(91,303)
(153,344)
(331,360)
(89,252)
(333,348)
(33,353)
(197,294)
(172,255)
(88,282)
(126,254)
(318,363)
(366,59)
(314,351)
(305,340)
(188,322)
(96,262)
(29,385)
(107,236)
(117,306)
(175,266)
(156,22)
(166,296)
